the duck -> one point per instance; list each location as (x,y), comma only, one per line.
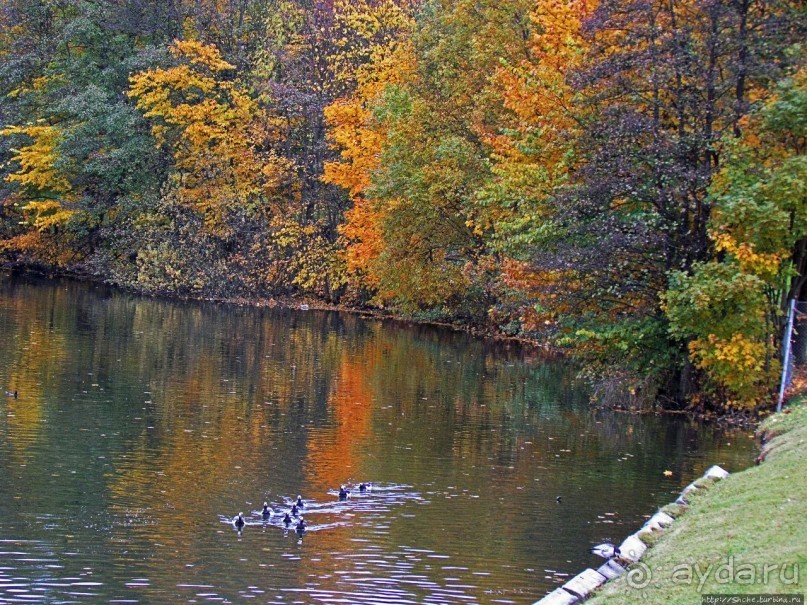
(239,521)
(343,493)
(558,499)
(11,394)
(287,519)
(300,526)
(300,502)
(363,487)
(266,512)
(606,550)
(294,510)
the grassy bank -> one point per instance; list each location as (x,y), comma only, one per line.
(743,535)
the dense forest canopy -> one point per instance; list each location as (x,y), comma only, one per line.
(623,179)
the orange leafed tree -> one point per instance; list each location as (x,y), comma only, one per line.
(537,155)
(381,55)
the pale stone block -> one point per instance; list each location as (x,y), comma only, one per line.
(632,549)
(662,519)
(558,597)
(611,569)
(658,522)
(584,583)
(683,498)
(716,472)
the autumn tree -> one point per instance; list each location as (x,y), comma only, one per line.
(293,74)
(376,55)
(74,132)
(218,140)
(666,81)
(533,159)
(412,227)
(730,310)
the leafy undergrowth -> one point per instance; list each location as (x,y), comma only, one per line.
(743,535)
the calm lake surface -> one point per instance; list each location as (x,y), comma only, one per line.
(143,426)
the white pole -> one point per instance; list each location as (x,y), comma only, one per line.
(786,360)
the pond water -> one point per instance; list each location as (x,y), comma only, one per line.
(143,426)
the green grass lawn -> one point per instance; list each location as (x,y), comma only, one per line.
(746,534)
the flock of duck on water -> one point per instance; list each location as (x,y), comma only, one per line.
(295,511)
(605,550)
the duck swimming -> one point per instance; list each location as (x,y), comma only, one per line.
(239,521)
(287,519)
(300,502)
(266,512)
(363,487)
(343,493)
(294,510)
(606,550)
(11,394)
(300,526)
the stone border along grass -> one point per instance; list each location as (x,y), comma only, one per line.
(580,587)
(743,536)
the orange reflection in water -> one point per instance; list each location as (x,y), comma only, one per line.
(333,454)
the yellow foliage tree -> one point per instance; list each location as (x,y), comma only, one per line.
(215,132)
(367,33)
(44,196)
(537,154)
(44,187)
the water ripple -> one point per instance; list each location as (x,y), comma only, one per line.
(143,426)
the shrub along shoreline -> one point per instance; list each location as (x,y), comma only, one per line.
(744,535)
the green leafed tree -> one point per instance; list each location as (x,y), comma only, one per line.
(731,310)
